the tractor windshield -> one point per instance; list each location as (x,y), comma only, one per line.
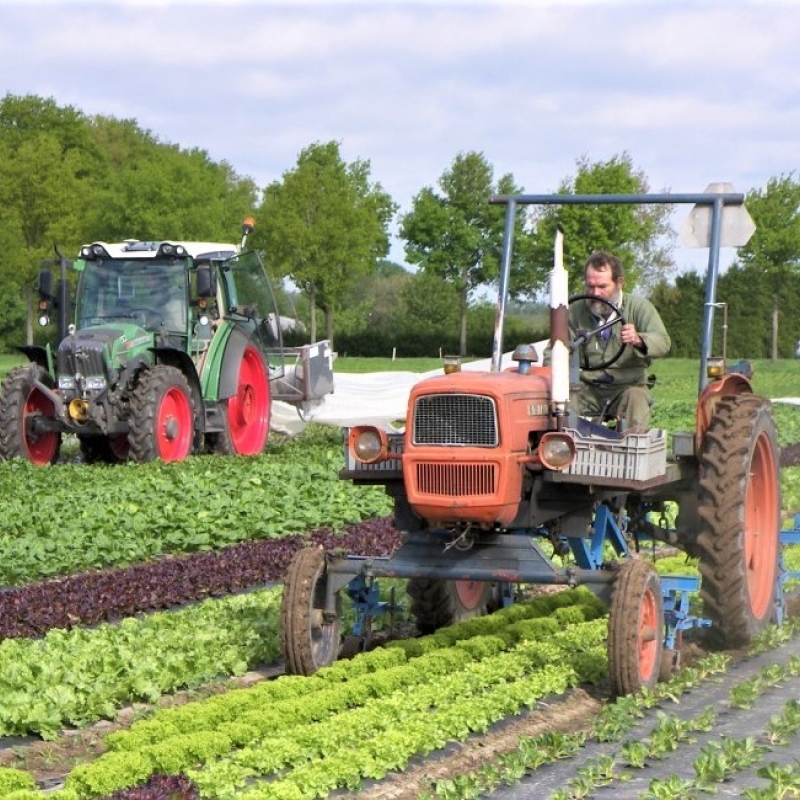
(250,291)
(151,292)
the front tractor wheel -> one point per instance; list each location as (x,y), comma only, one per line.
(436,603)
(740,513)
(162,416)
(247,412)
(635,628)
(23,409)
(310,637)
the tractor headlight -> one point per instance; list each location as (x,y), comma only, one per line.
(95,383)
(556,450)
(169,250)
(93,251)
(66,383)
(368,444)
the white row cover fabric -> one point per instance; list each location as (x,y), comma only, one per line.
(375,398)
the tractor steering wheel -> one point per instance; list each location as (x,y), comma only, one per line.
(581,337)
(144,316)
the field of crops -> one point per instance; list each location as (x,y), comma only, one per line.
(139,647)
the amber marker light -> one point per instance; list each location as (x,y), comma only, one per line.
(715,367)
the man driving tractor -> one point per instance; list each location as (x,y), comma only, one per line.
(620,390)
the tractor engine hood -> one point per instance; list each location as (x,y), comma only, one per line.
(468,436)
(95,352)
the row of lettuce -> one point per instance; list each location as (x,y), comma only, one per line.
(71,517)
(371,714)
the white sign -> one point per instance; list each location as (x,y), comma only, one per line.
(737,224)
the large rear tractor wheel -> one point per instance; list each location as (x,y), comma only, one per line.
(104,449)
(635,628)
(247,413)
(436,603)
(162,416)
(310,638)
(23,407)
(739,508)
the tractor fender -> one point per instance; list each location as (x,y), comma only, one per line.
(237,342)
(731,383)
(39,355)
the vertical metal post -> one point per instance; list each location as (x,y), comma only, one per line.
(502,289)
(711,291)
(64,311)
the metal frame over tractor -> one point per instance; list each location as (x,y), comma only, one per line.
(175,348)
(494,480)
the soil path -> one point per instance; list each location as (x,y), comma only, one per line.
(736,723)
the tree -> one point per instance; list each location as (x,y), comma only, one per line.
(638,234)
(764,275)
(457,235)
(325,227)
(775,245)
(45,174)
(154,190)
(66,179)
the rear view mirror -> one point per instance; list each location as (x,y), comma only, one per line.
(45,284)
(206,281)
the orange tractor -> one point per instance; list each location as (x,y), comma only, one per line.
(496,484)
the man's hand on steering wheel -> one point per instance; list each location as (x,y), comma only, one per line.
(582,337)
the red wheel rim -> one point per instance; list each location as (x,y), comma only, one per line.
(649,630)
(174,426)
(248,409)
(761,525)
(41,445)
(470,593)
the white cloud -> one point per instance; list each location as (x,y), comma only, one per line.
(694,92)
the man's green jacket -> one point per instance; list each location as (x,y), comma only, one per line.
(631,367)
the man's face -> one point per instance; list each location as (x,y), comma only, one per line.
(599,282)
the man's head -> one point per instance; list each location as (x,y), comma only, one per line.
(603,277)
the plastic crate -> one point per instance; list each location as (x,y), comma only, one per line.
(636,457)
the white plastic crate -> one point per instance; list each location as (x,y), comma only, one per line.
(636,457)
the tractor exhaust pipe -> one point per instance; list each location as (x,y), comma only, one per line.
(559,328)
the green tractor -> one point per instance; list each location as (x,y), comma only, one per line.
(176,348)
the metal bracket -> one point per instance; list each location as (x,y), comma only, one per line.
(675,590)
(788,536)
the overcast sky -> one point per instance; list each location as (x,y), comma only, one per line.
(694,92)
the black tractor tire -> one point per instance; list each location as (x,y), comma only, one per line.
(636,629)
(21,404)
(309,641)
(104,449)
(162,416)
(436,603)
(740,519)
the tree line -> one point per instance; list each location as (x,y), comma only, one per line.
(67,178)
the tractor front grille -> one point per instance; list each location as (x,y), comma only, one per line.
(455,419)
(81,356)
(456,480)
